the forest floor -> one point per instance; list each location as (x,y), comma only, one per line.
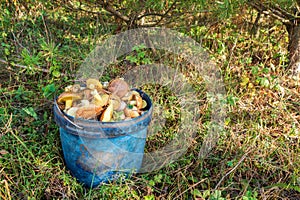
(257,155)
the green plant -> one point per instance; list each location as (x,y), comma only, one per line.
(216,195)
(139,55)
(42,45)
(31,61)
(51,53)
(49,91)
(250,195)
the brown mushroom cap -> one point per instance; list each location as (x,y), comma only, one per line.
(137,97)
(68,98)
(92,83)
(76,88)
(89,112)
(134,98)
(118,87)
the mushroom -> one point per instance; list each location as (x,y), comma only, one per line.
(118,87)
(89,112)
(144,104)
(87,94)
(92,84)
(127,96)
(131,112)
(115,101)
(67,98)
(122,106)
(100,100)
(72,111)
(107,114)
(76,88)
(73,88)
(134,98)
(84,102)
(68,88)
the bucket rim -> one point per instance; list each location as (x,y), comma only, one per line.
(83,123)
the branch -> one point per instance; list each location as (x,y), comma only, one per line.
(162,16)
(273,12)
(298,5)
(23,67)
(280,11)
(116,13)
(158,14)
(234,168)
(150,14)
(26,67)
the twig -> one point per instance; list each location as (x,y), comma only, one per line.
(116,13)
(25,67)
(17,41)
(22,66)
(255,25)
(158,14)
(192,186)
(166,13)
(234,168)
(46,29)
(276,8)
(298,5)
(273,12)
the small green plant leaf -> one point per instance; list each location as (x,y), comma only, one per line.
(149,197)
(217,195)
(49,90)
(56,73)
(196,193)
(231,100)
(254,70)
(264,82)
(30,111)
(245,81)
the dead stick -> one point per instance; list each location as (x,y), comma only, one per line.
(22,66)
(234,168)
(26,67)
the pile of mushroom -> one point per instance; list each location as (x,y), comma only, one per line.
(95,102)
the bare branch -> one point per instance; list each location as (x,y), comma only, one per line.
(37,68)
(23,67)
(158,14)
(298,5)
(162,16)
(150,14)
(273,12)
(116,13)
(280,11)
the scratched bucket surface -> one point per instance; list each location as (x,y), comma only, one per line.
(99,152)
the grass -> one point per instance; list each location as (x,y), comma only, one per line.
(257,156)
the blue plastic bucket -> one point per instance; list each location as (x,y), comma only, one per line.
(98,152)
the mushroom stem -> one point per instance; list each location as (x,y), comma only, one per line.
(68,104)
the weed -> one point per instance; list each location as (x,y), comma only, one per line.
(257,155)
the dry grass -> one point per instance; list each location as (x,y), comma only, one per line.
(257,156)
